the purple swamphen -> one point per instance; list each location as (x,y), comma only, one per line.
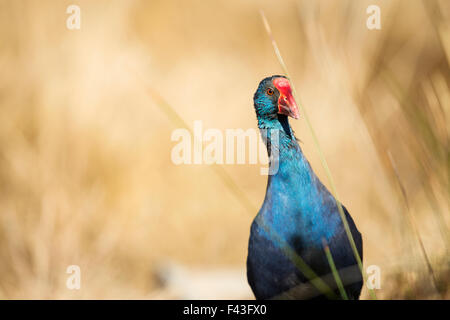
(299,216)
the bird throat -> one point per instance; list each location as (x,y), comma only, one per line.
(276,133)
(285,125)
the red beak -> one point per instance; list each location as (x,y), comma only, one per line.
(286,102)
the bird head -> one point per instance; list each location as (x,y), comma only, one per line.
(274,97)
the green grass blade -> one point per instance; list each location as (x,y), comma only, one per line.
(336,276)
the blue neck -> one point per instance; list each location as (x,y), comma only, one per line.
(294,195)
(292,162)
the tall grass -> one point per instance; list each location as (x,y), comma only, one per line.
(325,166)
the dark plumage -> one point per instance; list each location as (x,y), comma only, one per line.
(298,215)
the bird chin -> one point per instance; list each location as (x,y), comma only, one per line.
(288,111)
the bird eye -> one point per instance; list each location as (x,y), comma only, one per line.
(269,91)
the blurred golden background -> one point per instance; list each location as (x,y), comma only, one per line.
(86,176)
